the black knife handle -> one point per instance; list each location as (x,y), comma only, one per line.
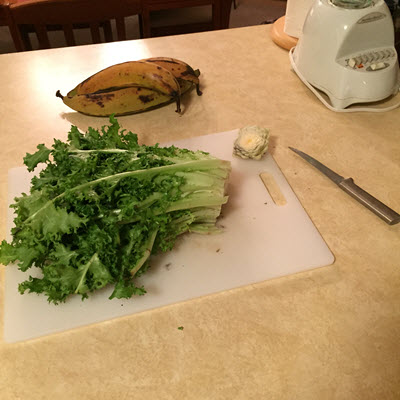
(390,216)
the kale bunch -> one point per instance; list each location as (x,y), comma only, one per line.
(103,204)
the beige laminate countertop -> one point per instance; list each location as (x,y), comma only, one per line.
(332,333)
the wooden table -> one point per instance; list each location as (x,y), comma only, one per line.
(331,333)
(220,16)
(3,20)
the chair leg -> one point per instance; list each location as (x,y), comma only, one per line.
(146,24)
(20,35)
(225,12)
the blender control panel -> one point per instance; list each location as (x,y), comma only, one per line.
(373,60)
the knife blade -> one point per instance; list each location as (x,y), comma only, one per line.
(388,215)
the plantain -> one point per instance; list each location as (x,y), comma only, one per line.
(119,101)
(133,87)
(183,72)
(131,74)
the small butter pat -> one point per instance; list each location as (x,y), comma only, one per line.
(252,142)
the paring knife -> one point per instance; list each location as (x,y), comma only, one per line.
(390,216)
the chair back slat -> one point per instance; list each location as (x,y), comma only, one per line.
(108,35)
(95,32)
(24,34)
(43,38)
(69,34)
(121,31)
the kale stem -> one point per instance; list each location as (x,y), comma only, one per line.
(188,165)
(146,254)
(84,272)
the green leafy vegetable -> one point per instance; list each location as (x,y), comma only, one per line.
(103,204)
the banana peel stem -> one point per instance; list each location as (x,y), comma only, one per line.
(198,91)
(58,94)
(178,105)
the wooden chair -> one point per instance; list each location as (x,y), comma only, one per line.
(220,16)
(42,16)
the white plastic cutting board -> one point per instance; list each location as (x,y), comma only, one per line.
(260,240)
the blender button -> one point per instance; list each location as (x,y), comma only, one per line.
(351,63)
